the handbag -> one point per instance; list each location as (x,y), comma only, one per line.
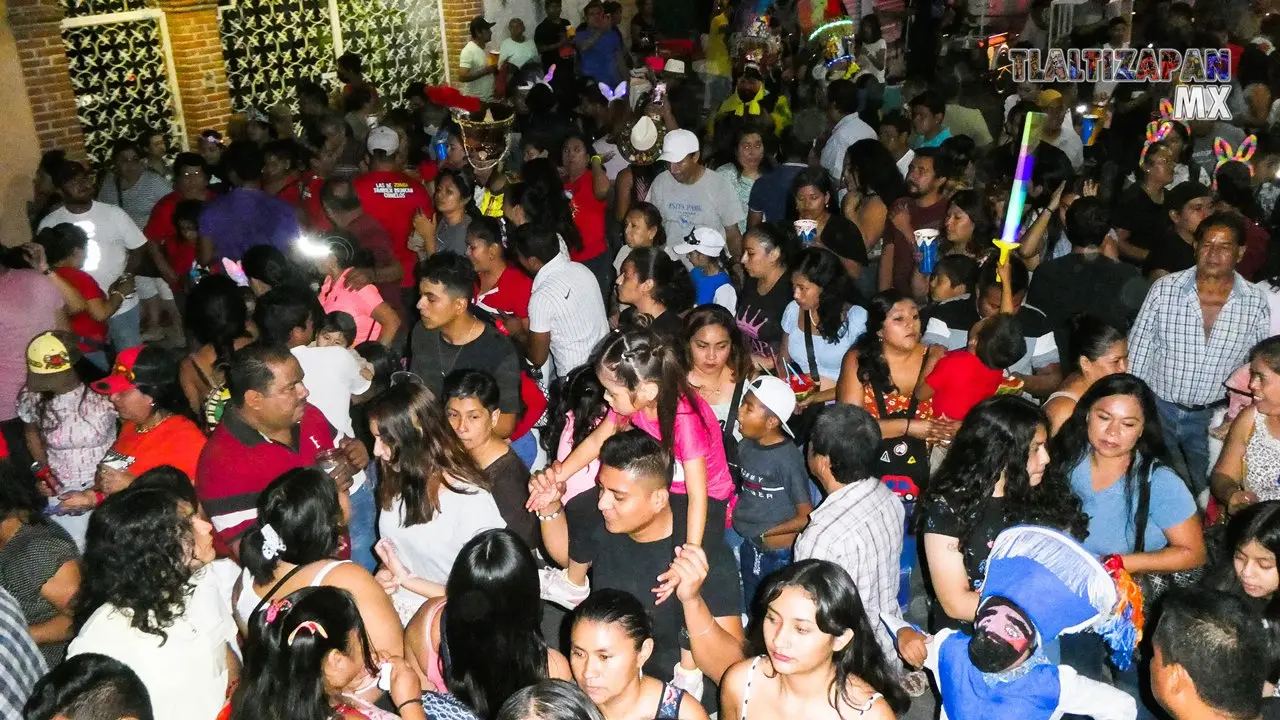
(902,462)
(1156,585)
(801,423)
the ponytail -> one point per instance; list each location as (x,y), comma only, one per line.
(640,356)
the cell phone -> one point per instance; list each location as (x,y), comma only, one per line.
(659,93)
(384,677)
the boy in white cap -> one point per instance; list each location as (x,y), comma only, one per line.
(774,502)
(689,196)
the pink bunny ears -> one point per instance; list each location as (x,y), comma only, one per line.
(612,94)
(546,80)
(1243,154)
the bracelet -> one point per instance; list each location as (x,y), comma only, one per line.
(406,702)
(594,158)
(552,516)
(98,497)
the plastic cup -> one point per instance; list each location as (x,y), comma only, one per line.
(1089,129)
(807,230)
(927,241)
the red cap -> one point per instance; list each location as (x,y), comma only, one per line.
(121,377)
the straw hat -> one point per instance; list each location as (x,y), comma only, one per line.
(641,141)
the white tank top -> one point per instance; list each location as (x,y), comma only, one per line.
(249,598)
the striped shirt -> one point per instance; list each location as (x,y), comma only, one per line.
(566,303)
(860,528)
(139,200)
(1168,348)
(21,663)
(239,462)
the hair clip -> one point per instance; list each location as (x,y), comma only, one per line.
(272,545)
(311,626)
(275,608)
(1157,130)
(613,94)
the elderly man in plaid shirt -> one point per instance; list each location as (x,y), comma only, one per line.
(1195,328)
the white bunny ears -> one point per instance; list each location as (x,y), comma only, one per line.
(611,94)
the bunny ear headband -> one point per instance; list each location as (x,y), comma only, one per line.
(546,80)
(1243,154)
(1157,130)
(611,94)
(1166,112)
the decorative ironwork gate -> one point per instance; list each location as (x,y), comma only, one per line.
(269,45)
(121,68)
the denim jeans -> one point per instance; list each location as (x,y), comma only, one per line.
(755,563)
(1187,433)
(124,329)
(364,516)
(909,559)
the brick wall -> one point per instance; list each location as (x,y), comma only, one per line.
(457,16)
(197,60)
(38,36)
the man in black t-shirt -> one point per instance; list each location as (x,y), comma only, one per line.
(632,531)
(1140,220)
(1086,281)
(1187,205)
(450,338)
(555,47)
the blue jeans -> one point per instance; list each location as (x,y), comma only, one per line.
(124,329)
(526,448)
(909,559)
(755,563)
(1187,433)
(364,516)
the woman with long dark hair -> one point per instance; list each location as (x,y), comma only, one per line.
(610,642)
(718,360)
(1111,452)
(655,286)
(294,545)
(874,184)
(992,478)
(482,641)
(268,268)
(426,475)
(319,635)
(218,320)
(819,324)
(810,626)
(969,226)
(149,600)
(454,209)
(747,160)
(1252,548)
(814,199)
(1095,350)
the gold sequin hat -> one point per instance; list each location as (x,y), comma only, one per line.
(485,135)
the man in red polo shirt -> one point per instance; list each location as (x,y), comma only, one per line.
(394,199)
(267,429)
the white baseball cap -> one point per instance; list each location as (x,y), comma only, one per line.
(776,395)
(384,139)
(674,66)
(678,145)
(705,240)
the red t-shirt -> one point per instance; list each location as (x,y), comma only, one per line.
(392,198)
(82,323)
(959,382)
(535,404)
(160,230)
(588,215)
(309,195)
(428,170)
(292,191)
(510,295)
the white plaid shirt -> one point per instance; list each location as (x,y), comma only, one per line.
(21,663)
(1168,348)
(859,527)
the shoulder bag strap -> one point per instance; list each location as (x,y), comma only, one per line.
(1142,515)
(808,348)
(732,418)
(267,597)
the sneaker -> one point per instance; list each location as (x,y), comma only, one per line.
(690,681)
(557,588)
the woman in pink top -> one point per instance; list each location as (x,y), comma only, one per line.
(337,257)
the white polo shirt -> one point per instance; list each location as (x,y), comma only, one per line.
(566,302)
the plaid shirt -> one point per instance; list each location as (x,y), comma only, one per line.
(1168,348)
(21,663)
(859,527)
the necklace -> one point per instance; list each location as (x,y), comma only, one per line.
(457,352)
(148,425)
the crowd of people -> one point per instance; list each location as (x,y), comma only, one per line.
(649,374)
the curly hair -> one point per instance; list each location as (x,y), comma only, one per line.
(992,445)
(137,559)
(1071,445)
(425,452)
(873,369)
